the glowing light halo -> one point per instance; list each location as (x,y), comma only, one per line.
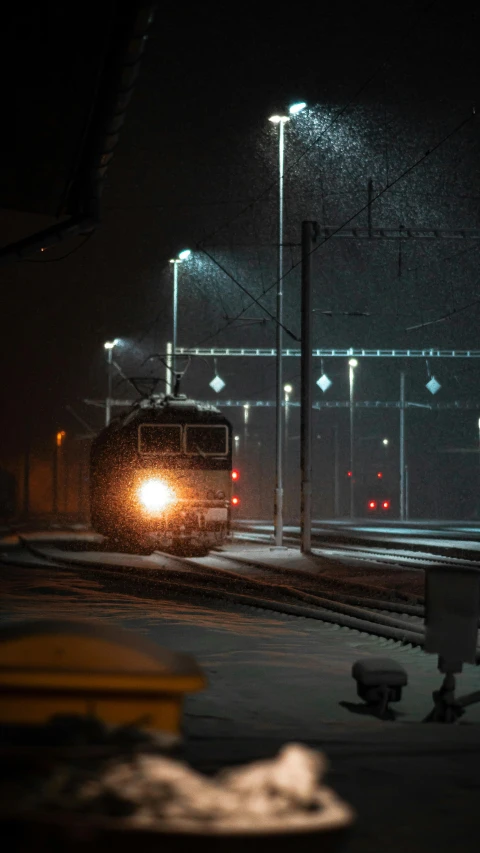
(155,495)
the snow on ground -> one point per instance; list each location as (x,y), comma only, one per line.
(267,672)
(274,679)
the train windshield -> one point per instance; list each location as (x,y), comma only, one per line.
(159,439)
(206,440)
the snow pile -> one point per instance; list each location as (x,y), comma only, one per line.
(279,794)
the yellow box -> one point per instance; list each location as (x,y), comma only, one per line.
(88,668)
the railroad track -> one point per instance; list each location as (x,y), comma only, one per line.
(247,582)
(413,557)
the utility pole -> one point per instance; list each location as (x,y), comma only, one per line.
(309,232)
(402,446)
(26,473)
(336,472)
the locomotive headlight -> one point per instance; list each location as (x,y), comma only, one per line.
(155,495)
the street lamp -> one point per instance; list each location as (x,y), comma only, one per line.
(58,451)
(287,390)
(236,444)
(280,120)
(109,346)
(352,364)
(182,256)
(385,442)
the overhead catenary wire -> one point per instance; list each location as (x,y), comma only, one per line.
(200,245)
(403,37)
(361,210)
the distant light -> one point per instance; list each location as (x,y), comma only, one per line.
(235,501)
(353,362)
(236,437)
(324,383)
(235,474)
(184,254)
(217,384)
(379,475)
(288,389)
(349,473)
(297,108)
(278,119)
(372,504)
(60,436)
(386,505)
(433,385)
(385,441)
(111,344)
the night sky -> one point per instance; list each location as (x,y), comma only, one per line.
(196,166)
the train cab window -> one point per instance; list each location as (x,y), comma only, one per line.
(206,440)
(159,439)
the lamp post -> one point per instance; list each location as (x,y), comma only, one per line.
(246,417)
(287,390)
(109,346)
(352,364)
(59,439)
(280,120)
(182,256)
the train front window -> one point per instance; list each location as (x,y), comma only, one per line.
(206,440)
(159,439)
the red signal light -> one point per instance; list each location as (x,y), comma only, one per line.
(349,473)
(386,505)
(235,501)
(235,474)
(379,475)
(372,504)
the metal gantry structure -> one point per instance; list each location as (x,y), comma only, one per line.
(326,352)
(322,235)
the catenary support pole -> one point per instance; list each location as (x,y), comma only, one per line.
(351,382)
(175,315)
(278,500)
(402,446)
(168,370)
(309,230)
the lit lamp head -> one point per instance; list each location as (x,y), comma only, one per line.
(297,108)
(182,256)
(353,362)
(111,344)
(288,389)
(155,495)
(294,109)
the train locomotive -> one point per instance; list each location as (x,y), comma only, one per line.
(163,472)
